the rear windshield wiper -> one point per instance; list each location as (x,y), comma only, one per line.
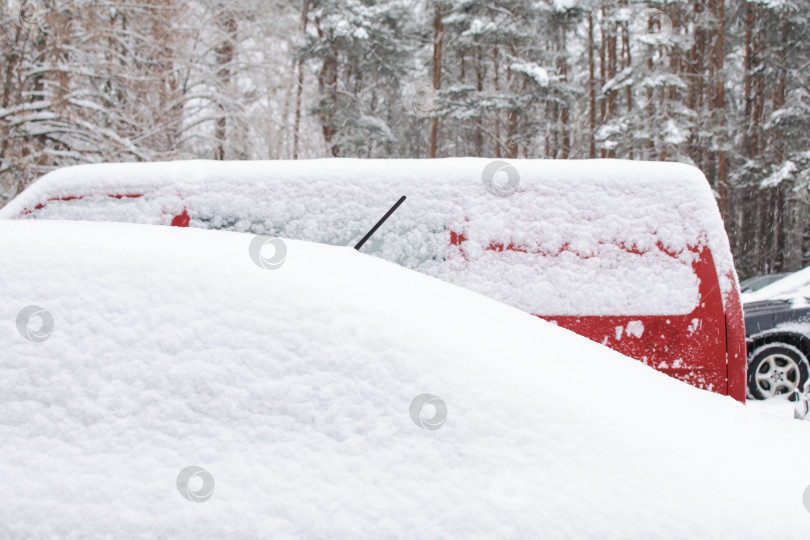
(379,223)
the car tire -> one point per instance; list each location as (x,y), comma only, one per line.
(776,369)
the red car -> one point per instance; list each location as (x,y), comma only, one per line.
(632,255)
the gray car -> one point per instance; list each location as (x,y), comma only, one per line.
(778,337)
(758,282)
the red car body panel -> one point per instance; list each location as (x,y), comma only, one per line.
(705,348)
(736,351)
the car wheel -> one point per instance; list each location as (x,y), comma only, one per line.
(776,369)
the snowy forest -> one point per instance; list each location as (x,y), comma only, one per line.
(721,84)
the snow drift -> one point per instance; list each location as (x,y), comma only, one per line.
(290,390)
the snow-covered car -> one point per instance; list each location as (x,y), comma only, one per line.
(755,283)
(632,255)
(777,327)
(161,382)
(792,284)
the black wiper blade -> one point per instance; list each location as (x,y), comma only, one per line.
(379,223)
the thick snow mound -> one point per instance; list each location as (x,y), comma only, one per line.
(182,391)
(592,237)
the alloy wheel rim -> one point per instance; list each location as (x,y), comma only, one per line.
(777,372)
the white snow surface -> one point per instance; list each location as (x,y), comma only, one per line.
(291,387)
(596,232)
(778,406)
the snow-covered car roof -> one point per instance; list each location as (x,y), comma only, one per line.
(181,385)
(615,237)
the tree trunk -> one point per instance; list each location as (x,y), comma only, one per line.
(438,38)
(602,75)
(720,108)
(225,56)
(497,115)
(300,89)
(749,139)
(562,68)
(591,90)
(327,84)
(479,86)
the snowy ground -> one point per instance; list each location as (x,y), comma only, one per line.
(184,391)
(777,407)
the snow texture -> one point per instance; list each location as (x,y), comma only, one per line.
(534,71)
(291,388)
(600,237)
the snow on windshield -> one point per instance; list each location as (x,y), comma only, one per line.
(586,237)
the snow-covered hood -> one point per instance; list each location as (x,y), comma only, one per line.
(186,389)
